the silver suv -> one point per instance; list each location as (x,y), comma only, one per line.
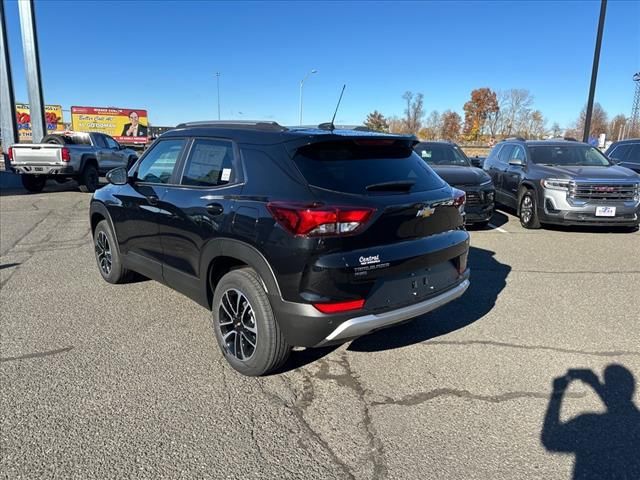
(563,182)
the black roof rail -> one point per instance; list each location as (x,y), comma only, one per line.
(519,139)
(570,139)
(237,124)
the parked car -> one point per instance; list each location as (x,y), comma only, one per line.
(64,155)
(450,162)
(563,182)
(626,153)
(291,237)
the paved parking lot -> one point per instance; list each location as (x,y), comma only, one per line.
(98,380)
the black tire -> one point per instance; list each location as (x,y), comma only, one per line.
(107,254)
(33,183)
(234,324)
(89,180)
(528,210)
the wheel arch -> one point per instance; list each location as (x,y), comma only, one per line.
(87,159)
(223,255)
(97,213)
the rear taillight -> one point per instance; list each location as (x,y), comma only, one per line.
(319,220)
(10,154)
(339,307)
(459,198)
(66,155)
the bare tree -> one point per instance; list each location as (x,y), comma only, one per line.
(414,111)
(556,131)
(536,127)
(517,110)
(397,125)
(599,122)
(616,126)
(432,127)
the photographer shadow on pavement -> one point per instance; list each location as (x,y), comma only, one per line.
(605,445)
(488,279)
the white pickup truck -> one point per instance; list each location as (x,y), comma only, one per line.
(64,155)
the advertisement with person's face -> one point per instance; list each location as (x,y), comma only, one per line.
(124,124)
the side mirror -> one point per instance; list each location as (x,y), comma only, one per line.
(516,162)
(477,161)
(118,176)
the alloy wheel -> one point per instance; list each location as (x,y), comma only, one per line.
(103,252)
(237,324)
(526,209)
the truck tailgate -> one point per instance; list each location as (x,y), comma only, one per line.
(37,154)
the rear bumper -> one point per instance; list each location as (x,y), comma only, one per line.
(359,326)
(303,325)
(43,169)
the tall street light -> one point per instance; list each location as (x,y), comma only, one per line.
(302,85)
(218,86)
(594,72)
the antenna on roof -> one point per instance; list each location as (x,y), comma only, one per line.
(330,125)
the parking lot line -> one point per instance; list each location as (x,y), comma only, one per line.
(502,230)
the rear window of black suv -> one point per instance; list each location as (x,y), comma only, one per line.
(360,167)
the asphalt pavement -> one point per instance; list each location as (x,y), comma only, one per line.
(106,381)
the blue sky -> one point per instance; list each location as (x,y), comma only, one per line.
(162,56)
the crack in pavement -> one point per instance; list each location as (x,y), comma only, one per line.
(350,380)
(492,343)
(299,414)
(37,354)
(418,398)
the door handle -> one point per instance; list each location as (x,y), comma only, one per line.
(215,208)
(153,200)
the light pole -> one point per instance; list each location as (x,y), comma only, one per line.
(218,86)
(594,72)
(302,85)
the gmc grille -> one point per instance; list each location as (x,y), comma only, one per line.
(603,191)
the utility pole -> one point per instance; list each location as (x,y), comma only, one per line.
(594,72)
(634,121)
(26,8)
(7,101)
(218,84)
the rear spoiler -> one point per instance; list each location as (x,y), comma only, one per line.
(357,137)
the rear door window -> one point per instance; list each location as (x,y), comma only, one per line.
(365,167)
(505,154)
(210,164)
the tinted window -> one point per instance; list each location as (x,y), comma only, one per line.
(210,164)
(111,143)
(352,167)
(505,153)
(518,154)
(580,155)
(157,165)
(99,139)
(439,154)
(620,152)
(634,154)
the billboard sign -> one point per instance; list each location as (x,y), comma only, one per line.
(52,115)
(126,125)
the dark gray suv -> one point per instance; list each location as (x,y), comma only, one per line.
(563,182)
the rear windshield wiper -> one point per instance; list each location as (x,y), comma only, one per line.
(397,186)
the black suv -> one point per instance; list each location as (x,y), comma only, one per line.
(563,182)
(626,153)
(450,162)
(291,237)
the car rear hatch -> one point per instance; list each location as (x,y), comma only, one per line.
(398,236)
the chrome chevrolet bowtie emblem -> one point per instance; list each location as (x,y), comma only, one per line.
(425,212)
